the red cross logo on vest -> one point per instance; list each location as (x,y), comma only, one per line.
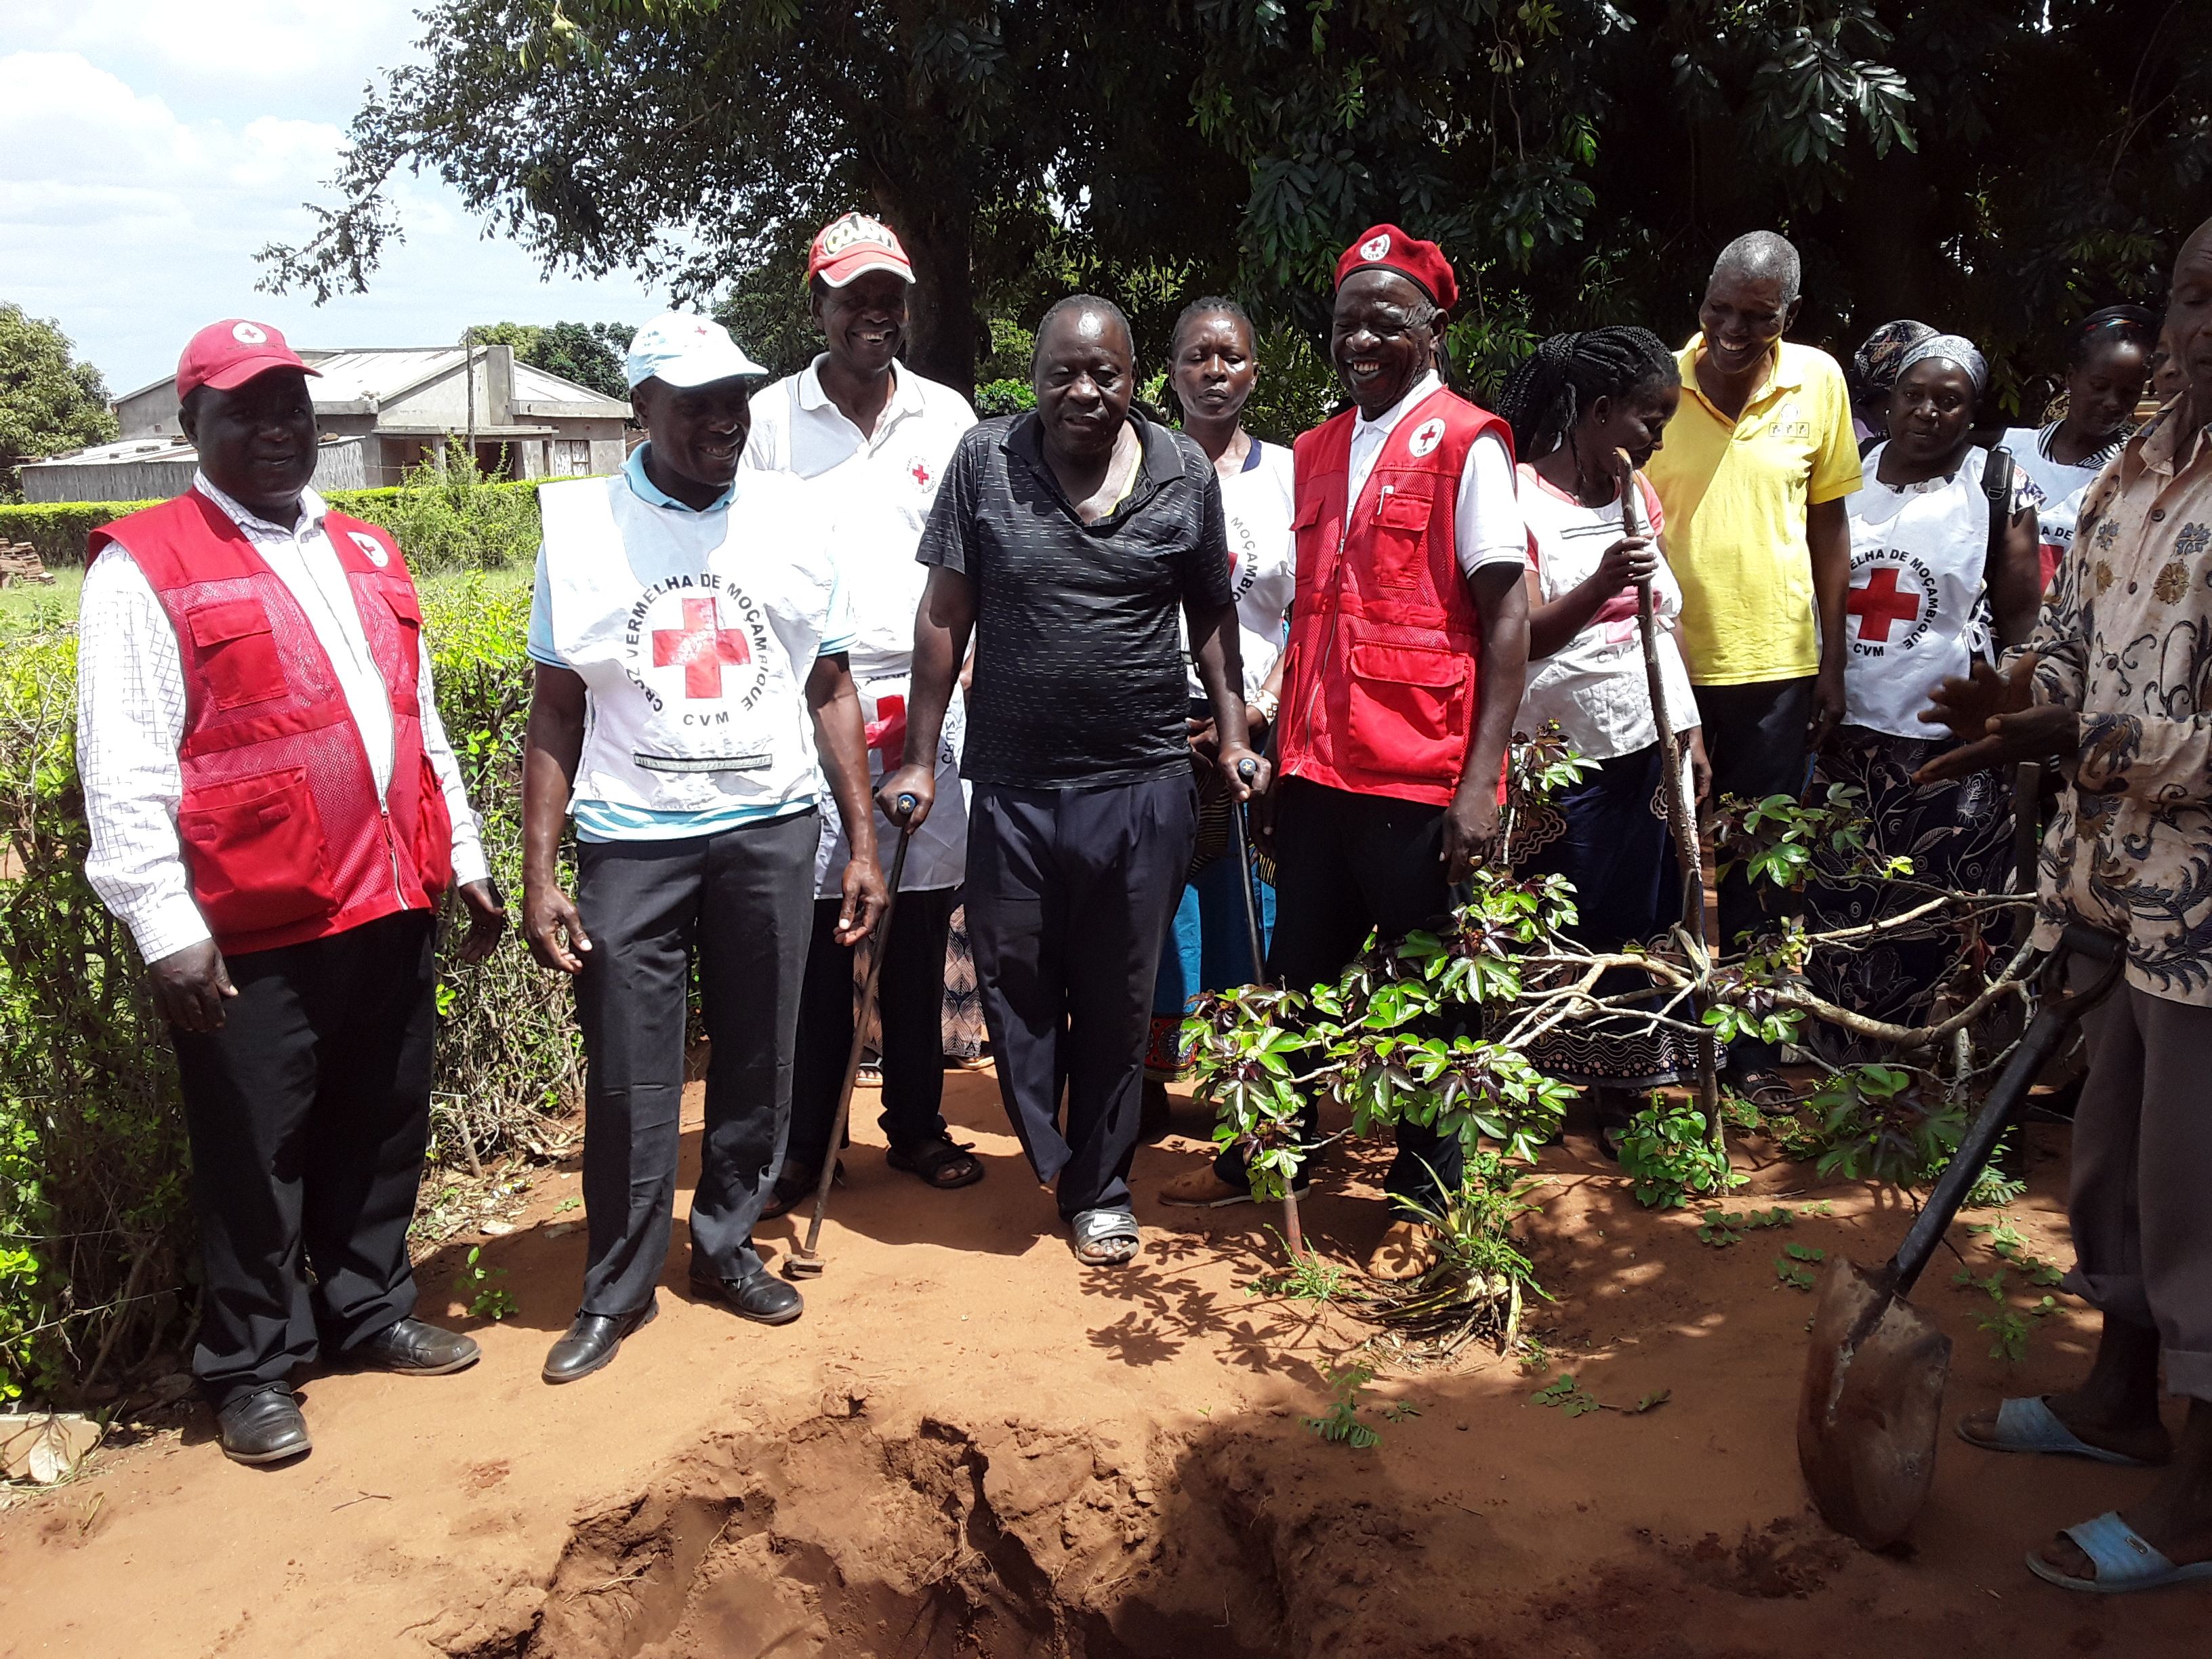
(886,733)
(919,471)
(701,648)
(1879,604)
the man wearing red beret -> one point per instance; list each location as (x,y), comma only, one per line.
(275,816)
(1409,643)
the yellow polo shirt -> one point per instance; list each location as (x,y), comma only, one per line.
(1736,493)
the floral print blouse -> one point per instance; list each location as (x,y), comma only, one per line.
(2126,638)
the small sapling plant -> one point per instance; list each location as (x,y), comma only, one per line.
(487,1300)
(1722,1228)
(1796,1267)
(1668,1154)
(1341,1424)
(1570,1399)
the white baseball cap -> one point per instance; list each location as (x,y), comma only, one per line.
(683,348)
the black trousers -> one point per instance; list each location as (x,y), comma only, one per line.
(1347,864)
(910,1002)
(308,1113)
(1755,739)
(741,904)
(1070,895)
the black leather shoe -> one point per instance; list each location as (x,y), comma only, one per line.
(592,1341)
(264,1427)
(416,1349)
(760,1296)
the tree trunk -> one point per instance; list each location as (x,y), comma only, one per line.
(937,227)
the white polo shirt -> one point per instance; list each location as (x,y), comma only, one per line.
(877,490)
(874,494)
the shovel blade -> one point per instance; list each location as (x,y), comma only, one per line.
(1871,1406)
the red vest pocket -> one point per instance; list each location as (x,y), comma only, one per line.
(254,846)
(1407,710)
(1401,536)
(434,835)
(237,654)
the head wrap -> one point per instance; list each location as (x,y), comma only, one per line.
(1386,247)
(1875,363)
(1952,347)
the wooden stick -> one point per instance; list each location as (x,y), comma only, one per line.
(1680,820)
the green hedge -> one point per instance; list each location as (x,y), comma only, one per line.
(96,1258)
(442,524)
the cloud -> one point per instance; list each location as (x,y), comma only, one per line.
(289,49)
(149,152)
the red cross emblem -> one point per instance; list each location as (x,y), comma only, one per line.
(1879,604)
(920,473)
(701,648)
(886,733)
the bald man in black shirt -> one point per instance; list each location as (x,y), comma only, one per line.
(1067,540)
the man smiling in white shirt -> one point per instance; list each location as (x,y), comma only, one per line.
(870,439)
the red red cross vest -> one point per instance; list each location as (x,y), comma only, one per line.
(1379,687)
(283,837)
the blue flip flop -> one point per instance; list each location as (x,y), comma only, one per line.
(2125,1562)
(2029,1425)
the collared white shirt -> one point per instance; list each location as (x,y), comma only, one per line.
(1486,525)
(131,718)
(876,491)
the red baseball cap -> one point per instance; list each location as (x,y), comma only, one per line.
(229,354)
(853,245)
(1386,247)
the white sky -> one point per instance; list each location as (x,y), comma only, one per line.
(149,149)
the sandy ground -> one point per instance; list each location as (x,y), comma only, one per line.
(972,1445)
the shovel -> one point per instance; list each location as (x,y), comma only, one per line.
(803,1263)
(1870,1411)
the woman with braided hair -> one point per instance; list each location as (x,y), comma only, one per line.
(1574,406)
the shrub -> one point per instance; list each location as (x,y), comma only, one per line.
(464,522)
(1668,1154)
(455,519)
(96,1248)
(1005,396)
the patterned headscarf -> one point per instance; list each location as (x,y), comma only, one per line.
(1877,363)
(1952,347)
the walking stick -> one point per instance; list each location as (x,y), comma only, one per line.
(805,1262)
(1241,848)
(1681,820)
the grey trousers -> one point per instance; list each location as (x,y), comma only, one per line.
(2140,1205)
(742,905)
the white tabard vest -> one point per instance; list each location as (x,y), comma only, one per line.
(1915,613)
(694,634)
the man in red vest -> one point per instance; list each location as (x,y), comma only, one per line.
(276,814)
(1409,640)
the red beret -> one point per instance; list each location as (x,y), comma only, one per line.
(1386,247)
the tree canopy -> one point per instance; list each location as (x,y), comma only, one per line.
(589,353)
(49,401)
(1999,169)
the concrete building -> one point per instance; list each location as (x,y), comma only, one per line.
(381,411)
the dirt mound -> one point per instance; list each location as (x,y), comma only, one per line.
(840,1538)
